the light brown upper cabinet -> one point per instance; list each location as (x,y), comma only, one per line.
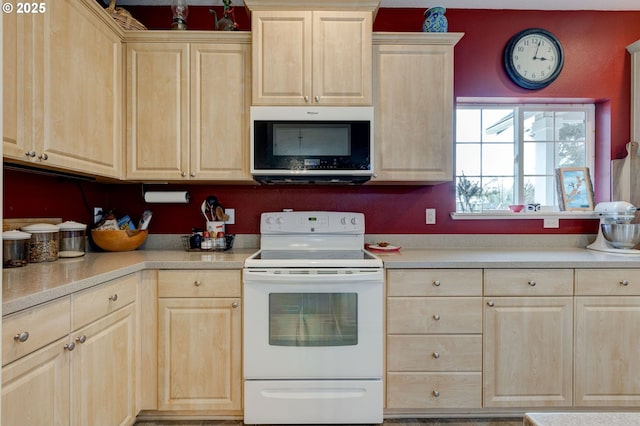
(312,53)
(188,96)
(413,95)
(62,81)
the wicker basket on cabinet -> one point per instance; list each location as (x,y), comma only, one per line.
(123,17)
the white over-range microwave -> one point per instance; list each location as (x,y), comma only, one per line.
(312,144)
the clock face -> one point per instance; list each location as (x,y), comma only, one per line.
(533,58)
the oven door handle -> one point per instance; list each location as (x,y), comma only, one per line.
(324,276)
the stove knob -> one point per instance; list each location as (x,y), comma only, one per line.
(279,221)
(269,220)
(343,221)
(354,220)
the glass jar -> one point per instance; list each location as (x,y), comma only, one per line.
(14,249)
(72,239)
(43,244)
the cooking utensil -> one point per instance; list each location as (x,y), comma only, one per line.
(203,209)
(212,203)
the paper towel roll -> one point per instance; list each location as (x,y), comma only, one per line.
(166,197)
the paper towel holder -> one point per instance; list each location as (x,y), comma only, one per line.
(179,197)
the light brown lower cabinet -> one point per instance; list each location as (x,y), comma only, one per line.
(434,341)
(199,341)
(528,338)
(607,348)
(70,375)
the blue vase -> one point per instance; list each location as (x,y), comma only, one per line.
(435,21)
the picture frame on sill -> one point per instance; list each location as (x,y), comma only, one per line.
(575,190)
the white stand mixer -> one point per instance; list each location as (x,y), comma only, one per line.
(613,212)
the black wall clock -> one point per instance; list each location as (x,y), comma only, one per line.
(533,58)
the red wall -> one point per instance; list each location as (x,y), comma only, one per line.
(597,68)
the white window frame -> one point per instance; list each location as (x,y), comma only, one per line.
(521,108)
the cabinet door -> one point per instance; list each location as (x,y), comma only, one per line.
(199,356)
(414,113)
(607,348)
(103,372)
(158,111)
(81,75)
(220,100)
(35,389)
(528,352)
(342,58)
(16,85)
(282,57)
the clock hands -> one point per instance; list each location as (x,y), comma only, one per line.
(535,55)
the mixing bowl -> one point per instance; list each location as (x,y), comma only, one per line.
(621,235)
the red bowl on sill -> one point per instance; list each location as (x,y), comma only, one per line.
(516,208)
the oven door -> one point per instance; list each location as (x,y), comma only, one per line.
(309,324)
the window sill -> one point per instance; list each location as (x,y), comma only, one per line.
(524,215)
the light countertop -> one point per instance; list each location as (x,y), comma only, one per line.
(37,283)
(581,419)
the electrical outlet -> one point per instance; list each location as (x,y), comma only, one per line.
(232,216)
(97,214)
(431,216)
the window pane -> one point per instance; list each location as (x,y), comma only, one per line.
(541,190)
(467,159)
(571,125)
(468,125)
(570,154)
(497,193)
(538,158)
(498,125)
(468,194)
(538,126)
(497,159)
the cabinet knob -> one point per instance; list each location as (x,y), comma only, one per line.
(436,355)
(436,393)
(532,283)
(43,157)
(316,99)
(81,339)
(490,303)
(21,337)
(192,174)
(183,174)
(436,317)
(624,283)
(69,346)
(197,283)
(113,298)
(306,99)
(436,283)
(234,305)
(31,154)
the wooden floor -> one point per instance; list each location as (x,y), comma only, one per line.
(517,421)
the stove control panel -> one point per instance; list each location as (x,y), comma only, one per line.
(303,222)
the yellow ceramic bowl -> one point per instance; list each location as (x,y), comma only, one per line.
(112,240)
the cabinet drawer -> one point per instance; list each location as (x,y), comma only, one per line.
(94,303)
(434,390)
(434,315)
(607,282)
(44,324)
(434,353)
(434,282)
(216,283)
(528,282)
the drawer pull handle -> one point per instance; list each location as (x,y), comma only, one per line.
(624,283)
(532,283)
(31,154)
(490,303)
(69,346)
(235,305)
(43,157)
(436,283)
(436,393)
(81,339)
(436,355)
(21,337)
(436,317)
(113,298)
(197,283)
